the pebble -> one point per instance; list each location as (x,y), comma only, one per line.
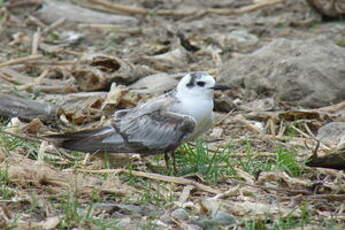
(180,214)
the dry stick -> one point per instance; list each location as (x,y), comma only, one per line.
(137,10)
(53,62)
(309,131)
(101,26)
(36,21)
(331,108)
(334,197)
(154,176)
(35,41)
(285,190)
(36,140)
(21,60)
(54,25)
(301,132)
(35,82)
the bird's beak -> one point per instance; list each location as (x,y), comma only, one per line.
(220,87)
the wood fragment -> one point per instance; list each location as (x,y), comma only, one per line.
(101,26)
(332,161)
(154,176)
(51,62)
(35,82)
(21,60)
(35,41)
(333,197)
(54,25)
(284,190)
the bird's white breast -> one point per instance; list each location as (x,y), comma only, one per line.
(199,108)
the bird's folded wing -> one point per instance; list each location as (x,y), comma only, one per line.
(154,132)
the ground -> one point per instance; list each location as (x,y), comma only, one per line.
(248,172)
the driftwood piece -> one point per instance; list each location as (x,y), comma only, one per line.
(332,161)
(52,11)
(25,109)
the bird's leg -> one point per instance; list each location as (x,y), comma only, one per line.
(174,161)
(166,159)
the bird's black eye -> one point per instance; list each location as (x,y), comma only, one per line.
(201,83)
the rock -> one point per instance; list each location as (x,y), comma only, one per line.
(224,219)
(180,214)
(166,218)
(305,73)
(185,226)
(331,133)
(211,222)
(243,36)
(123,222)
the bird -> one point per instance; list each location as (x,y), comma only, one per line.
(158,126)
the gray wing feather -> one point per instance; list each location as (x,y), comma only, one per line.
(152,127)
(155,132)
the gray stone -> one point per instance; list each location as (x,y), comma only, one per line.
(331,133)
(216,220)
(243,36)
(224,219)
(306,73)
(185,226)
(124,222)
(180,214)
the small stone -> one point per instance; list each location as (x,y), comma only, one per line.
(224,219)
(180,214)
(185,226)
(243,36)
(218,219)
(166,218)
(332,133)
(124,222)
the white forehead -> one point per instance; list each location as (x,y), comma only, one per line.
(191,79)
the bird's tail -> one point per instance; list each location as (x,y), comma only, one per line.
(92,140)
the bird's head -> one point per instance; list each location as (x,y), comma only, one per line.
(197,84)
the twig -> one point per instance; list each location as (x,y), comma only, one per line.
(286,190)
(52,62)
(21,60)
(223,118)
(35,82)
(334,197)
(21,136)
(54,25)
(35,41)
(331,108)
(301,132)
(15,4)
(136,10)
(101,26)
(154,176)
(309,131)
